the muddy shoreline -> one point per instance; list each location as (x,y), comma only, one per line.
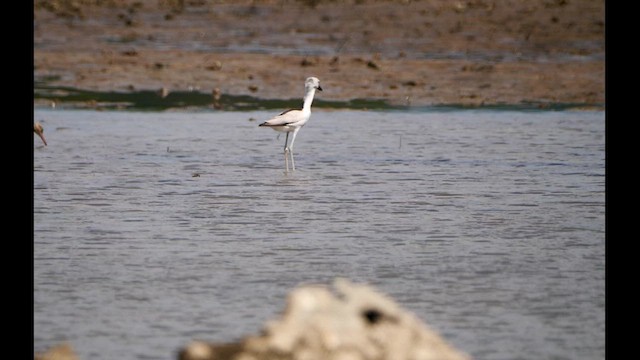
(410,53)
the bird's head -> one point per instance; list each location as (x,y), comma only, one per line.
(39,130)
(312,83)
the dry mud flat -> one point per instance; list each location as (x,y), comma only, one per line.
(404,52)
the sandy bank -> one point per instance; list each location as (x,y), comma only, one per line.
(404,52)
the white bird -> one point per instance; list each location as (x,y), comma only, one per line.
(293,120)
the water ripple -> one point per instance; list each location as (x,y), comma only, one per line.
(489,225)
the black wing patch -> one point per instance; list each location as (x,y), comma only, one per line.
(286,111)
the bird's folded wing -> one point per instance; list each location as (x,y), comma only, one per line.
(287,117)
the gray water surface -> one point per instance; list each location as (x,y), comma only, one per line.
(154,229)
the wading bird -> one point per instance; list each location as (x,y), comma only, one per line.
(39,130)
(294,119)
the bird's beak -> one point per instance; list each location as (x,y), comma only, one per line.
(319,88)
(42,137)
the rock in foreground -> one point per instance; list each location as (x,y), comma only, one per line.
(354,322)
(63,351)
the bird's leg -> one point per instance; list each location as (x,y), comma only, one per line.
(286,150)
(293,164)
(286,162)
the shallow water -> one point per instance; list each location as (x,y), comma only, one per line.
(489,225)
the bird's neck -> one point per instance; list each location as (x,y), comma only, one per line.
(308,99)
